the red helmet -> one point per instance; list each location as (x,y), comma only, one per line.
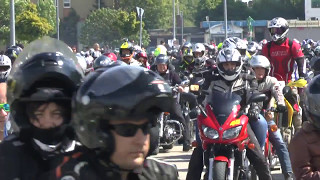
(111,55)
(142,54)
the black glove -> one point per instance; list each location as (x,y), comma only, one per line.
(254,111)
(281,108)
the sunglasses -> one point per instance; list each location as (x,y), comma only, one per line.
(129,130)
(5,107)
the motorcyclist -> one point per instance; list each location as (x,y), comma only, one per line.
(270,86)
(282,54)
(5,68)
(187,63)
(126,54)
(171,77)
(200,60)
(125,101)
(315,61)
(39,92)
(13,52)
(230,79)
(142,57)
(304,147)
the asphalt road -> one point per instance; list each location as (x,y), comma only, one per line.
(181,160)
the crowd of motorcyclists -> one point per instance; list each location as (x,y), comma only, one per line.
(96,114)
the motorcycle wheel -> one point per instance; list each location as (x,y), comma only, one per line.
(220,170)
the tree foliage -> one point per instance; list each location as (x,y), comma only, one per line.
(262,9)
(68,28)
(108,26)
(28,14)
(29,26)
(47,10)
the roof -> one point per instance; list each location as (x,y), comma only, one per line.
(242,23)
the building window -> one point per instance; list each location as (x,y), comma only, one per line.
(315,4)
(67,3)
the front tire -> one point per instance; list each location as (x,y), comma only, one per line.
(220,170)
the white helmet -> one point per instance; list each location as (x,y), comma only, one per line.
(229,55)
(260,61)
(252,48)
(198,47)
(278,28)
(5,66)
(229,43)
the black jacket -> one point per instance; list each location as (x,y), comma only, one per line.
(20,160)
(245,85)
(86,166)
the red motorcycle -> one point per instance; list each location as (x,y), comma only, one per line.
(223,131)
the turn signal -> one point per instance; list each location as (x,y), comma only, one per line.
(166,113)
(274,128)
(251,146)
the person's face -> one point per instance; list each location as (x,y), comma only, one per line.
(162,68)
(96,47)
(47,116)
(260,72)
(125,51)
(142,60)
(197,54)
(229,66)
(130,152)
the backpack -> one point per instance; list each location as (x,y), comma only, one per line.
(269,46)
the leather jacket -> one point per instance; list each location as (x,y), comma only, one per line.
(305,153)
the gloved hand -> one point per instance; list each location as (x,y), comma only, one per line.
(254,111)
(281,108)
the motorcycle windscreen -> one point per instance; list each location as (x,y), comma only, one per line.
(223,104)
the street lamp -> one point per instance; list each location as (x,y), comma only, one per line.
(12,24)
(140,14)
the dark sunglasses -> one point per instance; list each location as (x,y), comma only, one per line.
(5,107)
(129,130)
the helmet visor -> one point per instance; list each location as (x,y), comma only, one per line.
(276,30)
(46,44)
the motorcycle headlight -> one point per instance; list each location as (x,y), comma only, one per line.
(194,87)
(209,132)
(232,133)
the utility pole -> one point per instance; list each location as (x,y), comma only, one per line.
(57,19)
(12,24)
(140,14)
(98,4)
(182,25)
(225,20)
(174,19)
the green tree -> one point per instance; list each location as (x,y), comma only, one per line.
(108,26)
(47,10)
(5,21)
(68,28)
(157,13)
(29,26)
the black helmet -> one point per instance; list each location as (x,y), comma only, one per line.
(117,93)
(312,101)
(102,61)
(161,59)
(13,52)
(45,63)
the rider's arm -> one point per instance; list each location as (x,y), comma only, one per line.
(298,56)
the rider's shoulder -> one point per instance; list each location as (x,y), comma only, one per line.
(160,167)
(270,79)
